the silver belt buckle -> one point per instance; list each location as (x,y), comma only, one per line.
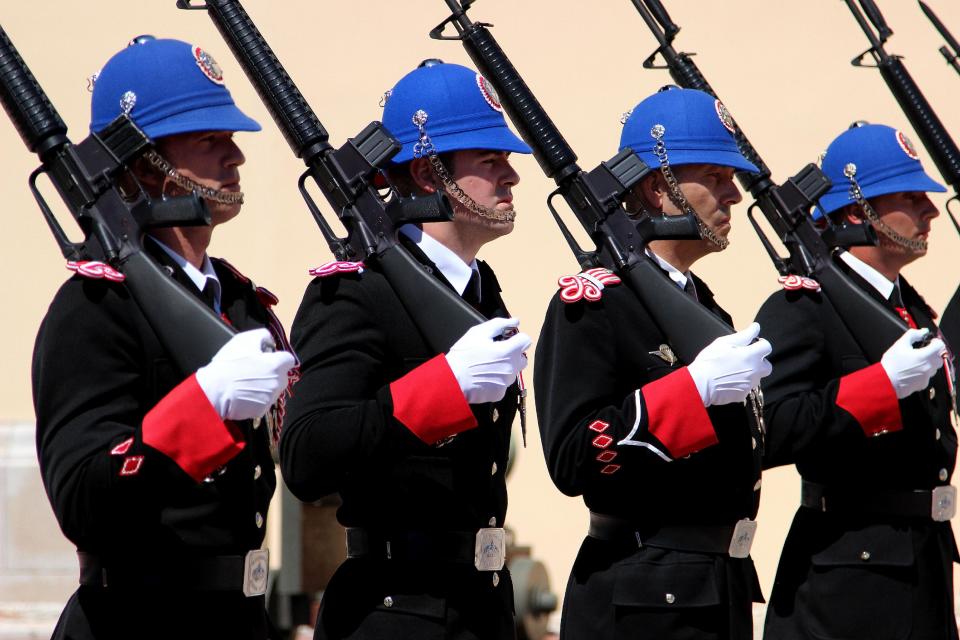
(256,571)
(742,539)
(943,503)
(490,551)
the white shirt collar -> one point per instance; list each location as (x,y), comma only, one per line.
(871,275)
(675,274)
(199,277)
(455,270)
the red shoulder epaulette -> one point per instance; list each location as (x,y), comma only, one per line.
(795,283)
(95,270)
(587,285)
(336,266)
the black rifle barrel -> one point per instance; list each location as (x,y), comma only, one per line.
(932,133)
(35,118)
(942,28)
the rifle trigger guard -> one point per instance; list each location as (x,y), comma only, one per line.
(189,6)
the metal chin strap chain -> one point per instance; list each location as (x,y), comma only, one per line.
(207,193)
(676,196)
(915,245)
(424,147)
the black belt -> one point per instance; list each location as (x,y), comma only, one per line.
(694,537)
(412,546)
(211,573)
(904,503)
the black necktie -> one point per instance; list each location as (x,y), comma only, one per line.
(895,298)
(472,293)
(209,294)
(690,288)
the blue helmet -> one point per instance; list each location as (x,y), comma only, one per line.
(697,127)
(885,160)
(167,87)
(462,112)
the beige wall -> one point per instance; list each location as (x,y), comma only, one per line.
(781,67)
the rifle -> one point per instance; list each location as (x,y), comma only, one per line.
(87,176)
(950,51)
(786,209)
(345,176)
(594,197)
(922,117)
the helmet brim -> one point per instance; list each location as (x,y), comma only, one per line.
(226,117)
(839,196)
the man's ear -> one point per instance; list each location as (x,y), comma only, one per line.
(652,189)
(422,175)
(851,214)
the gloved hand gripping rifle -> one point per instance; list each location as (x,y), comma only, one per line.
(786,208)
(87,176)
(594,197)
(345,177)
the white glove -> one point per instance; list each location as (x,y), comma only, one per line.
(910,368)
(484,366)
(729,367)
(242,380)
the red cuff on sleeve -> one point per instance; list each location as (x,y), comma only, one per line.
(186,428)
(676,415)
(429,402)
(868,396)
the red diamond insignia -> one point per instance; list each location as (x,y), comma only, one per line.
(131,466)
(598,425)
(606,456)
(121,448)
(602,442)
(610,469)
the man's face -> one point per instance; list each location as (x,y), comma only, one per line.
(909,213)
(488,178)
(711,191)
(210,158)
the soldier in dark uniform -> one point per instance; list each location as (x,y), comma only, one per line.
(162,477)
(870,551)
(666,454)
(416,442)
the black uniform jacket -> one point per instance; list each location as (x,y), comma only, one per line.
(370,419)
(625,428)
(835,415)
(103,388)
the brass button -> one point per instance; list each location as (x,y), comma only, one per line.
(496,579)
(933,393)
(493,522)
(493,469)
(936,434)
(865,555)
(944,474)
(494,414)
(753,443)
(388,602)
(756,487)
(257,472)
(259,520)
(256,422)
(670,598)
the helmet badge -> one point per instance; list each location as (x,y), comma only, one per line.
(208,65)
(725,118)
(489,93)
(907,145)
